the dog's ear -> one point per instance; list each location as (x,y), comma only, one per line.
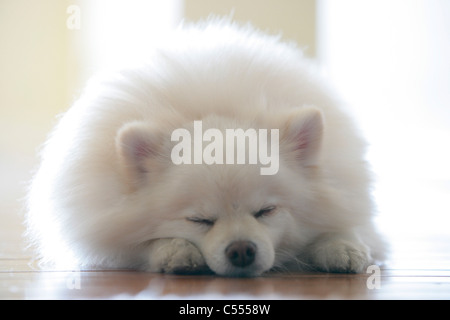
(137,147)
(304,135)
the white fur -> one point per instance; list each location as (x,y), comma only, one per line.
(107,194)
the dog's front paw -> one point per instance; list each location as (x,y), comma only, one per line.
(176,256)
(334,254)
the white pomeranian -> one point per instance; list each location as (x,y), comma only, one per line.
(225,153)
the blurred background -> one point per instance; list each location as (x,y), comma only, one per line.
(388,59)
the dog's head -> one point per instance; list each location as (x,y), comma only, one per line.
(243,222)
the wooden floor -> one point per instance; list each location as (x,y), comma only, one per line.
(418,272)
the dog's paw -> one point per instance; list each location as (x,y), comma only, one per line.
(177,256)
(340,255)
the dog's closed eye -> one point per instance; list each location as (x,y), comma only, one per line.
(264,212)
(203,221)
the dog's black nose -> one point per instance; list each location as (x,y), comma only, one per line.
(241,253)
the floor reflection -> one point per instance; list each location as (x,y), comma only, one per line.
(136,285)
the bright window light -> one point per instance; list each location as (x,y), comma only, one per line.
(119,32)
(390,61)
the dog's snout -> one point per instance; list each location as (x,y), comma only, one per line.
(241,253)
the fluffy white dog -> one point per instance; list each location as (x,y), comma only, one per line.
(110,194)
